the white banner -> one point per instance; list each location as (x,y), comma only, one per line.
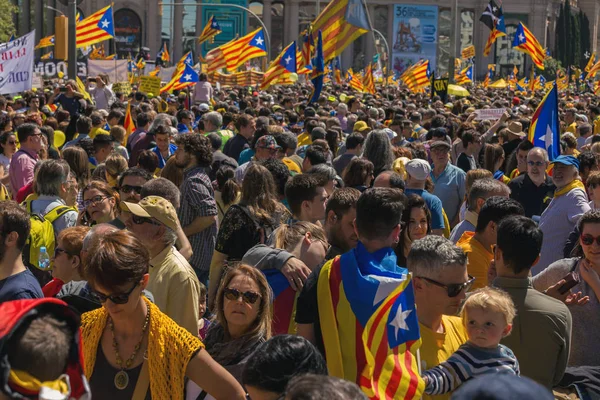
(115,69)
(38,81)
(166,73)
(16,64)
(490,113)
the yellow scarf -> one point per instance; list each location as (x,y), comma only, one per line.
(30,383)
(576,184)
(170,348)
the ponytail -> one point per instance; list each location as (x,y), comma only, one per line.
(228,187)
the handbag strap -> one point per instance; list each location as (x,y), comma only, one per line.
(143,382)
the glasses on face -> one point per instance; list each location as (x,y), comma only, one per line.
(535,163)
(453,289)
(248,297)
(58,251)
(94,201)
(120,298)
(130,188)
(588,240)
(136,219)
(12,142)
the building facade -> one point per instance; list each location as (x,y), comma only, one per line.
(150,23)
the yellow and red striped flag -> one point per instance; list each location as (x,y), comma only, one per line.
(47,41)
(590,62)
(354,81)
(47,56)
(184,77)
(465,76)
(417,76)
(211,30)
(341,23)
(593,71)
(128,124)
(235,53)
(96,28)
(527,43)
(284,65)
(368,81)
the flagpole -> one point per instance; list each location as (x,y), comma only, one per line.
(72,40)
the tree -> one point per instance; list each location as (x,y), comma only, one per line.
(568,56)
(560,35)
(7,26)
(551,66)
(584,24)
(575,39)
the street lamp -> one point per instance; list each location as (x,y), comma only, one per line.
(54,9)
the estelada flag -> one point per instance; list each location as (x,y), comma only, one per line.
(370,327)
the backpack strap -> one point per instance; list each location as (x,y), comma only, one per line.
(57,212)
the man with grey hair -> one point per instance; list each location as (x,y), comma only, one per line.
(481,190)
(213,122)
(53,182)
(342,111)
(440,282)
(558,220)
(173,282)
(532,188)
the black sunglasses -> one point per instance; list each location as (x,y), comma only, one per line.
(121,298)
(136,219)
(58,251)
(234,294)
(588,240)
(453,289)
(129,189)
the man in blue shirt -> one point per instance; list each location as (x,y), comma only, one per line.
(16,281)
(448,179)
(418,170)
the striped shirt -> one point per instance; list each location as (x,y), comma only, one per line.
(468,362)
(198,200)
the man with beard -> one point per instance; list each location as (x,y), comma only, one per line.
(16,281)
(198,211)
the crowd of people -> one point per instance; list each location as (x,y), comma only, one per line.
(238,244)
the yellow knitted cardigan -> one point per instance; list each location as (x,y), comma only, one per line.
(170,348)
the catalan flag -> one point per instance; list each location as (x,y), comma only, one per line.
(140,64)
(284,303)
(235,53)
(545,128)
(308,45)
(341,23)
(488,77)
(283,65)
(369,324)
(527,43)
(591,62)
(417,76)
(354,81)
(465,76)
(96,28)
(97,53)
(185,77)
(111,57)
(128,124)
(368,81)
(337,70)
(317,77)
(493,18)
(82,89)
(562,80)
(47,41)
(592,71)
(211,30)
(163,54)
(47,56)
(301,67)
(155,72)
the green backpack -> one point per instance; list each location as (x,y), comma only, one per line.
(41,235)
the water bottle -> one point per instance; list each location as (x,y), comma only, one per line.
(43,259)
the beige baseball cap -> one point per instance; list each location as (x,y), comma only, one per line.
(155,207)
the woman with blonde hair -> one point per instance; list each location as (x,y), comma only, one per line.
(131,349)
(115,165)
(77,159)
(247,223)
(243,321)
(308,243)
(493,160)
(100,205)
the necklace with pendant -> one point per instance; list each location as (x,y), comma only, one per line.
(122,378)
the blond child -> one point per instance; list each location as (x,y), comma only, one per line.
(487,314)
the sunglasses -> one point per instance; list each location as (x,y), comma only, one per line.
(58,251)
(453,289)
(234,294)
(129,189)
(588,240)
(536,163)
(94,201)
(136,219)
(121,298)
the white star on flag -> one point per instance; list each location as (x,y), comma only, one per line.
(214,25)
(495,9)
(288,59)
(105,24)
(259,41)
(386,286)
(399,321)
(521,38)
(188,77)
(587,55)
